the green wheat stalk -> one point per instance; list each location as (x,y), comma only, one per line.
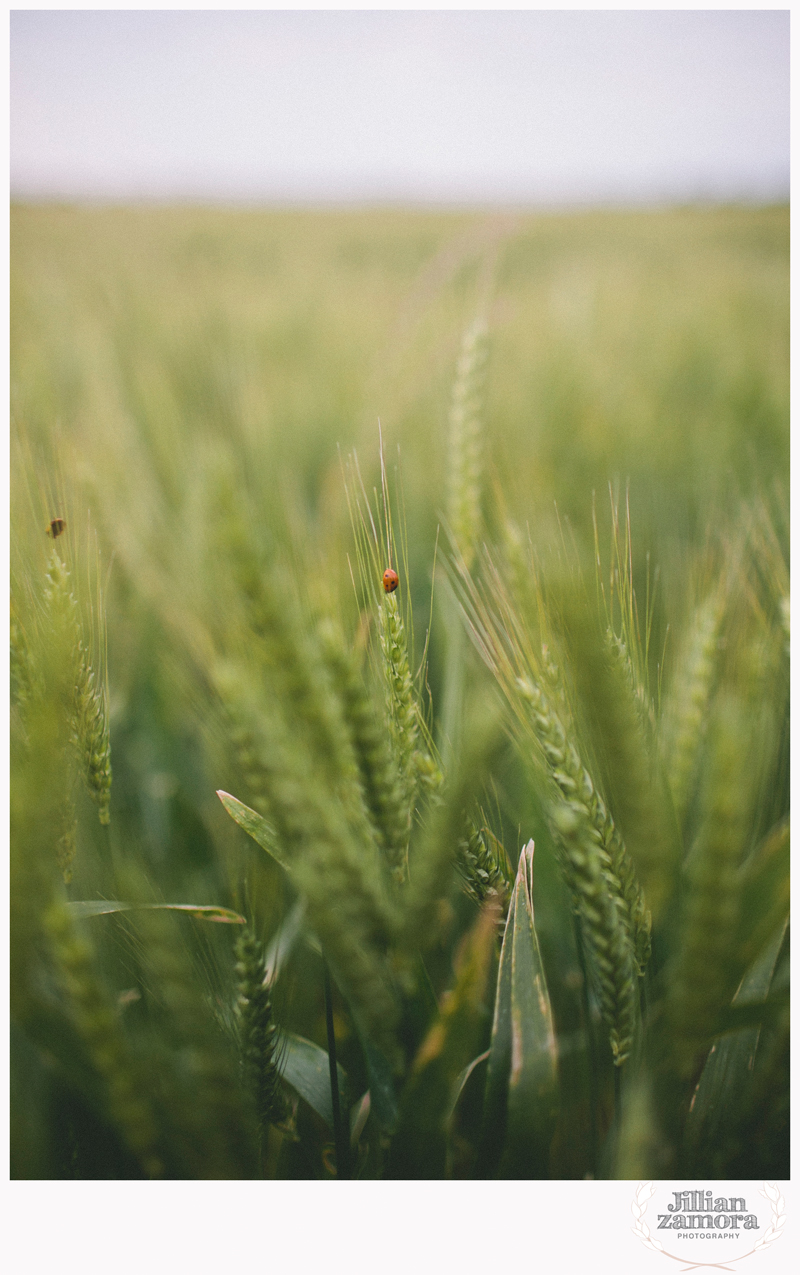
(606,893)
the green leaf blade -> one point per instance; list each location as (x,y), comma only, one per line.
(522,1084)
(304,1066)
(256,826)
(766,895)
(729,1066)
(200,911)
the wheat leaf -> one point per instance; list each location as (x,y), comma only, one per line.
(255,825)
(522,1083)
(304,1066)
(200,911)
(765,890)
(282,945)
(729,1065)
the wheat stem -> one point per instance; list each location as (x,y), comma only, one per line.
(339,1132)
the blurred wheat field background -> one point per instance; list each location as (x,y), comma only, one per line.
(588,647)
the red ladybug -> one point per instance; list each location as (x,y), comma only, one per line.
(390,580)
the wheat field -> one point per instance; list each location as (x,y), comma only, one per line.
(474,869)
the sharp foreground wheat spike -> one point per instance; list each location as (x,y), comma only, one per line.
(464,459)
(258,1031)
(597,867)
(414,762)
(401,706)
(608,946)
(701,980)
(408,733)
(566,769)
(98,1025)
(686,713)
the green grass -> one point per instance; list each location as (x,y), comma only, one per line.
(189,388)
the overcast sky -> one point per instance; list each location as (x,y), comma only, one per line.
(528,106)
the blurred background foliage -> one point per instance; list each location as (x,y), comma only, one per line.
(186,388)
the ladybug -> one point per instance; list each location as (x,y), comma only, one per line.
(55,527)
(390,580)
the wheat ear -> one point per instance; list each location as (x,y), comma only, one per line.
(611,957)
(483,866)
(575,784)
(686,713)
(414,761)
(258,1032)
(465,444)
(87,707)
(629,771)
(92,737)
(379,777)
(614,921)
(597,868)
(701,978)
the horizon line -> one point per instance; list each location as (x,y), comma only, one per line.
(407,203)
